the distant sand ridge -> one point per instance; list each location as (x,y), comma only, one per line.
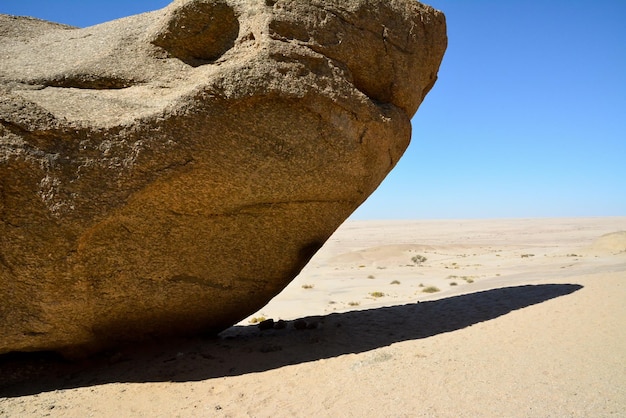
(612,243)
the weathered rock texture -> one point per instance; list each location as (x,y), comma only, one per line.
(170,172)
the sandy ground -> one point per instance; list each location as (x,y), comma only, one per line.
(529,320)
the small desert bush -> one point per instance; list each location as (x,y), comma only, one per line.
(418,259)
(430,289)
(377,294)
(308,286)
(257,319)
(354,303)
(453,283)
(395,282)
(371,276)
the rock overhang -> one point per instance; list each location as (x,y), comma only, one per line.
(157,187)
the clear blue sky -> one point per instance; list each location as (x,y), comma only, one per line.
(528,118)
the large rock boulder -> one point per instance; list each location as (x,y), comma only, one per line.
(171,172)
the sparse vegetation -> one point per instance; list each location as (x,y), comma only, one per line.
(418,259)
(430,289)
(308,286)
(354,303)
(257,319)
(468,279)
(527,255)
(377,294)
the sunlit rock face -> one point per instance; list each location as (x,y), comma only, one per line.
(169,173)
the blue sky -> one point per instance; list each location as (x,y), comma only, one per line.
(527,119)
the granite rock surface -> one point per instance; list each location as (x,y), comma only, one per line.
(169,173)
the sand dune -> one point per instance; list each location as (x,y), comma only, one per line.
(527,320)
(608,244)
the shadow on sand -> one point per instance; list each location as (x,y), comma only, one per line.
(246,349)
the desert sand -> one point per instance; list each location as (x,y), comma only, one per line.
(526,318)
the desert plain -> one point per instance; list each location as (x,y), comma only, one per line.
(432,318)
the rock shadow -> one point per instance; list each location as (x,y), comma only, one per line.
(246,349)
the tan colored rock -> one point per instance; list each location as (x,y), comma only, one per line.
(169,173)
